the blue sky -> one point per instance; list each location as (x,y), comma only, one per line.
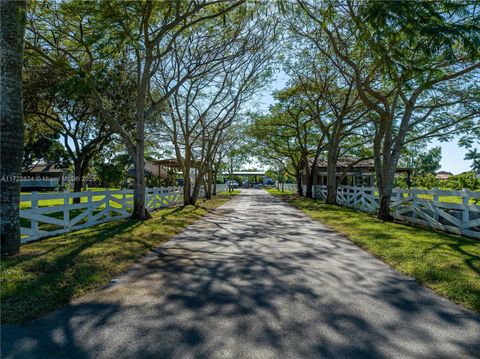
(452,154)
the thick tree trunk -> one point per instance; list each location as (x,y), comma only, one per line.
(195,192)
(332,176)
(310,177)
(139,209)
(384,207)
(11,113)
(214,183)
(385,166)
(80,171)
(208,185)
(187,188)
(299,184)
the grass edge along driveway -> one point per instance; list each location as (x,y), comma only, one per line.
(447,264)
(49,273)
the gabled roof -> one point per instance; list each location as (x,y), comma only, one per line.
(345,162)
(369,164)
(43,168)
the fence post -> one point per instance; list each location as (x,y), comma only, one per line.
(414,202)
(373,199)
(34,222)
(107,204)
(124,203)
(398,195)
(465,211)
(436,198)
(90,205)
(66,212)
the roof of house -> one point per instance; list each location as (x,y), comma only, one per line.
(345,162)
(43,168)
(172,163)
(353,162)
(245,173)
(169,162)
(444,173)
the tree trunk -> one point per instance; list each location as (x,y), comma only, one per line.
(208,185)
(11,112)
(139,209)
(299,183)
(385,166)
(310,176)
(384,207)
(80,170)
(214,184)
(332,176)
(195,192)
(186,188)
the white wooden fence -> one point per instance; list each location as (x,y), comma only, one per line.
(291,187)
(446,210)
(39,218)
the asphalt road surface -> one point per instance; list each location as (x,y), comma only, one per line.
(256,279)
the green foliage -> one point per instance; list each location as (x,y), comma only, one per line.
(428,181)
(424,28)
(110,175)
(464,180)
(169,181)
(474,155)
(44,148)
(400,182)
(428,162)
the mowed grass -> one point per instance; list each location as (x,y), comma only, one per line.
(49,273)
(447,264)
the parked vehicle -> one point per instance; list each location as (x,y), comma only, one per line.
(233,184)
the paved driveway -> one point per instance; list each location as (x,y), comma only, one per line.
(258,279)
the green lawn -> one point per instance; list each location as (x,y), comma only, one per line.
(48,273)
(447,264)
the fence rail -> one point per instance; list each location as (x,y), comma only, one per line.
(291,187)
(48,214)
(451,211)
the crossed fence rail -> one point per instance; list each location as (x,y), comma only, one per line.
(39,218)
(450,211)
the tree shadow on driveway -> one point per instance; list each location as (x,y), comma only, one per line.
(242,283)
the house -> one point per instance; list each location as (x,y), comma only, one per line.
(443,175)
(359,172)
(42,176)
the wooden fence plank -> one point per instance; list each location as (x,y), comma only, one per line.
(407,205)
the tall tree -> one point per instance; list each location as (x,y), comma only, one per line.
(203,107)
(413,82)
(12,15)
(65,108)
(83,37)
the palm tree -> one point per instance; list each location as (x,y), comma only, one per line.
(11,113)
(474,156)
